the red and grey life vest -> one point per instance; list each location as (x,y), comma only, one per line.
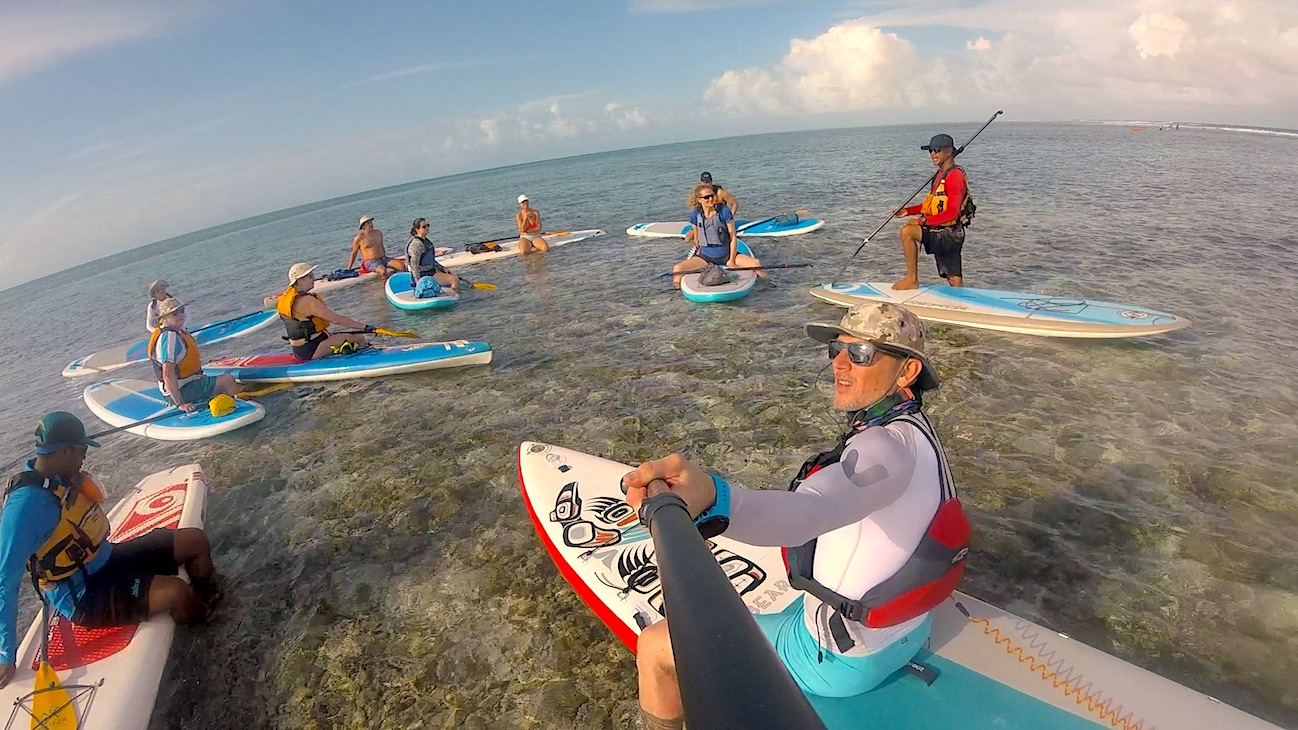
(924,581)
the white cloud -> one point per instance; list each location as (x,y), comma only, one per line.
(547,119)
(851,66)
(42,34)
(1158,34)
(1075,56)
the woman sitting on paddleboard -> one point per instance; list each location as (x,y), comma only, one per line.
(714,232)
(528,221)
(306,318)
(421,258)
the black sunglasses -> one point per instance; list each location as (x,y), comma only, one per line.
(705,197)
(860,353)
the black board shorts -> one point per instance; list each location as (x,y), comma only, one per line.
(945,244)
(306,350)
(118,593)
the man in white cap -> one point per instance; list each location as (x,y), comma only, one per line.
(368,244)
(874,534)
(306,319)
(157,293)
(529,227)
(177,364)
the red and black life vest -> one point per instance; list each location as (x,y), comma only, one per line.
(923,582)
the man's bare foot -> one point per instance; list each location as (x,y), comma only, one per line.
(906,284)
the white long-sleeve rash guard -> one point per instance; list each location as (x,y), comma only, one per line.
(868,512)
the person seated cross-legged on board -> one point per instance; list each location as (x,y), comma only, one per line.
(306,319)
(713,231)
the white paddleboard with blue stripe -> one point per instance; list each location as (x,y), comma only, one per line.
(121,402)
(120,357)
(401,294)
(1023,313)
(741,284)
(370,362)
(995,670)
(764,228)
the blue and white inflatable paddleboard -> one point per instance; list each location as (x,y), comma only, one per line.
(119,402)
(741,284)
(401,294)
(120,357)
(994,669)
(1006,311)
(768,229)
(371,362)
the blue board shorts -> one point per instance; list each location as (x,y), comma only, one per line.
(374,264)
(199,390)
(837,675)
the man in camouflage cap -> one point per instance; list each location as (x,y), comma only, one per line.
(875,536)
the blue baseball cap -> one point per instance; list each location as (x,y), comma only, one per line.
(59,429)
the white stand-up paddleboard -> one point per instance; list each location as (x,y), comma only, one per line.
(113,674)
(122,402)
(764,228)
(1006,311)
(995,670)
(741,284)
(510,248)
(120,357)
(370,362)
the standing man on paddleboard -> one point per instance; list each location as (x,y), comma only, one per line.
(872,529)
(943,215)
(368,244)
(177,364)
(157,294)
(723,196)
(528,221)
(54,530)
(306,319)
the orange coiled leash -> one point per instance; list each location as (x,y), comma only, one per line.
(1040,661)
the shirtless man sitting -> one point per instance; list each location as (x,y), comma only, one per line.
(368,243)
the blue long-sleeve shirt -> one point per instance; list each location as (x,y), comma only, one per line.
(29,518)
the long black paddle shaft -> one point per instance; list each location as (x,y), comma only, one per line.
(168,414)
(919,190)
(728,671)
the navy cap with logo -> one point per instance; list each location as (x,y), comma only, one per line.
(705,177)
(59,429)
(939,142)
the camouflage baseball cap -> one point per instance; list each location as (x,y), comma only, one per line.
(885,325)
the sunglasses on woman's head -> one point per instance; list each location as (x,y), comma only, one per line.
(860,353)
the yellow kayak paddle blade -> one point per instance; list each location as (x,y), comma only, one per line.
(394,333)
(51,704)
(276,387)
(221,405)
(484,287)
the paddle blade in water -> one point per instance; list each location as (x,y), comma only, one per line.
(484,287)
(394,333)
(51,704)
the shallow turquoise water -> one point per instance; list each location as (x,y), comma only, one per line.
(1138,495)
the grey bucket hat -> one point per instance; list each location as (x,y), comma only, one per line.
(887,326)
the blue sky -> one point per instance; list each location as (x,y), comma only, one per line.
(147,120)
